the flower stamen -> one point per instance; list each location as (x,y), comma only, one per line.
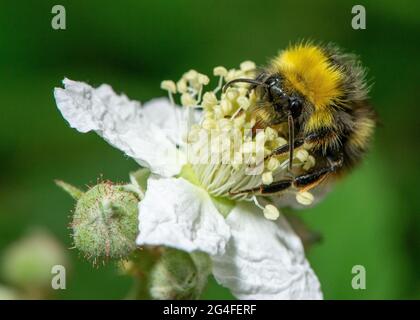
(225,151)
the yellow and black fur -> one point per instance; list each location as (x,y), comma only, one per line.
(323,92)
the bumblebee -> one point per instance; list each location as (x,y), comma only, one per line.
(321,95)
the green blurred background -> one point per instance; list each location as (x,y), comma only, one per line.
(372,217)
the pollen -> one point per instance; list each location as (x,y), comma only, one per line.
(302,155)
(309,163)
(182,86)
(243,103)
(271,212)
(203,79)
(306,198)
(168,85)
(187,100)
(226,106)
(247,66)
(220,71)
(271,134)
(191,75)
(273,164)
(267,178)
(209,100)
(232,94)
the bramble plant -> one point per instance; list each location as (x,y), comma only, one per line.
(184,214)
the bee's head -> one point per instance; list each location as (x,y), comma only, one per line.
(288,107)
(272,90)
(283,103)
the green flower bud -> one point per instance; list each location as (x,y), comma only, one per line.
(105,222)
(28,262)
(179,275)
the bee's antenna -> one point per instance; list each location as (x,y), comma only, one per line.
(291,139)
(252,81)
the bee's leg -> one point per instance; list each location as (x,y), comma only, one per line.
(310,180)
(260,77)
(302,182)
(309,138)
(285,148)
(275,187)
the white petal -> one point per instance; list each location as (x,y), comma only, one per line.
(177,214)
(173,121)
(122,123)
(264,259)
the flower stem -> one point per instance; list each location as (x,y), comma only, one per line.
(139,266)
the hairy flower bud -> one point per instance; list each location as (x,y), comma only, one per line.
(179,275)
(105,222)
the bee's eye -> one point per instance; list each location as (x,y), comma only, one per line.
(272,81)
(278,95)
(296,107)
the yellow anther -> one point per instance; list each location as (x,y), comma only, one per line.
(279,141)
(209,100)
(267,178)
(226,106)
(168,85)
(247,66)
(273,164)
(243,91)
(209,115)
(191,75)
(209,124)
(270,134)
(203,79)
(218,112)
(220,71)
(309,163)
(187,100)
(182,86)
(302,155)
(271,212)
(243,102)
(232,74)
(306,198)
(231,94)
